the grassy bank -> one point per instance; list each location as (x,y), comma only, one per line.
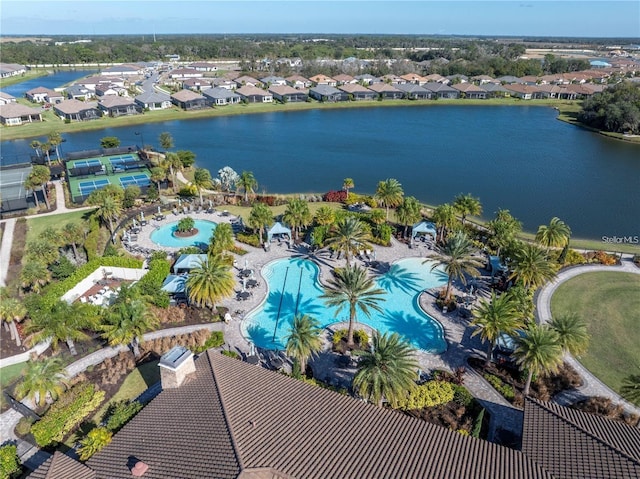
(610,304)
(31,74)
(52,123)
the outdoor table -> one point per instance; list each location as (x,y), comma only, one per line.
(244,295)
(253,359)
(245,273)
(252,283)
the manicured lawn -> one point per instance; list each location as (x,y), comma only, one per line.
(9,373)
(134,384)
(37,225)
(610,304)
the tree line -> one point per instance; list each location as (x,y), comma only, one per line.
(616,109)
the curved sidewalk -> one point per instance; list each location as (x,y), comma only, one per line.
(592,385)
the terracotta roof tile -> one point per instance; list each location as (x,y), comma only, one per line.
(60,466)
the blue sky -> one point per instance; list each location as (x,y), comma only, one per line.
(589,18)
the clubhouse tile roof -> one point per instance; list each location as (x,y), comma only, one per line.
(60,466)
(235,420)
(575,445)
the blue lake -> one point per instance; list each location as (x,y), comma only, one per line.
(519,158)
(51,81)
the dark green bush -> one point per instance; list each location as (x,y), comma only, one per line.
(231,354)
(9,461)
(506,390)
(24,426)
(215,340)
(462,396)
(63,268)
(477,426)
(119,414)
(250,239)
(150,284)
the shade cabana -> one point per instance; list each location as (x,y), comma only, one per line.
(423,228)
(174,284)
(279,231)
(186,262)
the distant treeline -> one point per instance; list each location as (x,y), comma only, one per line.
(443,55)
(616,109)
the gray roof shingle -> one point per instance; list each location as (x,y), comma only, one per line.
(60,466)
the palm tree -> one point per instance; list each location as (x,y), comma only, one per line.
(247,183)
(388,371)
(325,216)
(43,251)
(31,183)
(531,266)
(221,239)
(34,275)
(297,215)
(455,255)
(109,208)
(46,147)
(389,193)
(166,140)
(127,320)
(348,235)
(445,217)
(42,379)
(210,282)
(95,441)
(347,184)
(467,205)
(377,217)
(538,351)
(63,322)
(72,234)
(55,139)
(522,299)
(352,287)
(36,145)
(493,318)
(555,235)
(504,229)
(408,213)
(259,217)
(173,163)
(201,180)
(572,333)
(630,389)
(158,174)
(304,340)
(12,311)
(39,177)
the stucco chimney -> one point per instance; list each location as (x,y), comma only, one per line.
(175,365)
(139,469)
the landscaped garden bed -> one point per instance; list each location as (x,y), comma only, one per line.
(509,381)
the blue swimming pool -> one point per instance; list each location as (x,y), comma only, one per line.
(293,286)
(163,235)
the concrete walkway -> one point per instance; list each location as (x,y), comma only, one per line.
(5,249)
(592,385)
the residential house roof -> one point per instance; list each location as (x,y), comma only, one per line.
(411,88)
(484,79)
(72,106)
(393,79)
(325,90)
(249,90)
(184,71)
(414,78)
(273,80)
(230,419)
(217,92)
(494,87)
(6,96)
(285,90)
(383,87)
(437,78)
(467,87)
(438,87)
(223,81)
(15,110)
(354,88)
(96,80)
(247,80)
(48,91)
(521,88)
(116,101)
(61,466)
(196,82)
(458,76)
(78,90)
(343,78)
(574,445)
(186,95)
(530,79)
(509,79)
(368,78)
(320,79)
(152,97)
(295,78)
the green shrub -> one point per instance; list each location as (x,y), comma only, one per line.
(151,283)
(95,440)
(573,257)
(215,340)
(382,234)
(93,238)
(111,250)
(24,426)
(462,396)
(66,413)
(231,354)
(319,235)
(120,413)
(186,224)
(338,336)
(131,193)
(477,426)
(63,268)
(190,250)
(361,337)
(506,390)
(9,461)
(250,239)
(429,394)
(188,191)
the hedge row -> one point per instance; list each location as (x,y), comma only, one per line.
(66,414)
(429,394)
(151,283)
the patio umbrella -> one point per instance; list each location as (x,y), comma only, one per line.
(374,255)
(252,349)
(159,212)
(246,264)
(142,216)
(210,204)
(179,202)
(135,223)
(244,284)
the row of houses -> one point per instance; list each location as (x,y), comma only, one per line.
(8,70)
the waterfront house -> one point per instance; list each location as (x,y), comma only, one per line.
(78,92)
(44,95)
(115,106)
(273,81)
(387,91)
(75,110)
(323,80)
(470,91)
(358,92)
(5,98)
(495,90)
(13,114)
(153,100)
(297,81)
(326,93)
(440,90)
(524,92)
(246,80)
(254,94)
(412,91)
(286,93)
(217,96)
(11,69)
(188,100)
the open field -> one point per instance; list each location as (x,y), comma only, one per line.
(52,123)
(610,304)
(35,226)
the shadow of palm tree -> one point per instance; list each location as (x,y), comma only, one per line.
(263,338)
(400,278)
(421,331)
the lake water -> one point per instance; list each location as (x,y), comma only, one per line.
(519,158)
(52,81)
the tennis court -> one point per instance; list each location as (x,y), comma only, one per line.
(138,180)
(84,163)
(123,159)
(86,187)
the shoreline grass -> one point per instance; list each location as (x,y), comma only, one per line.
(609,302)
